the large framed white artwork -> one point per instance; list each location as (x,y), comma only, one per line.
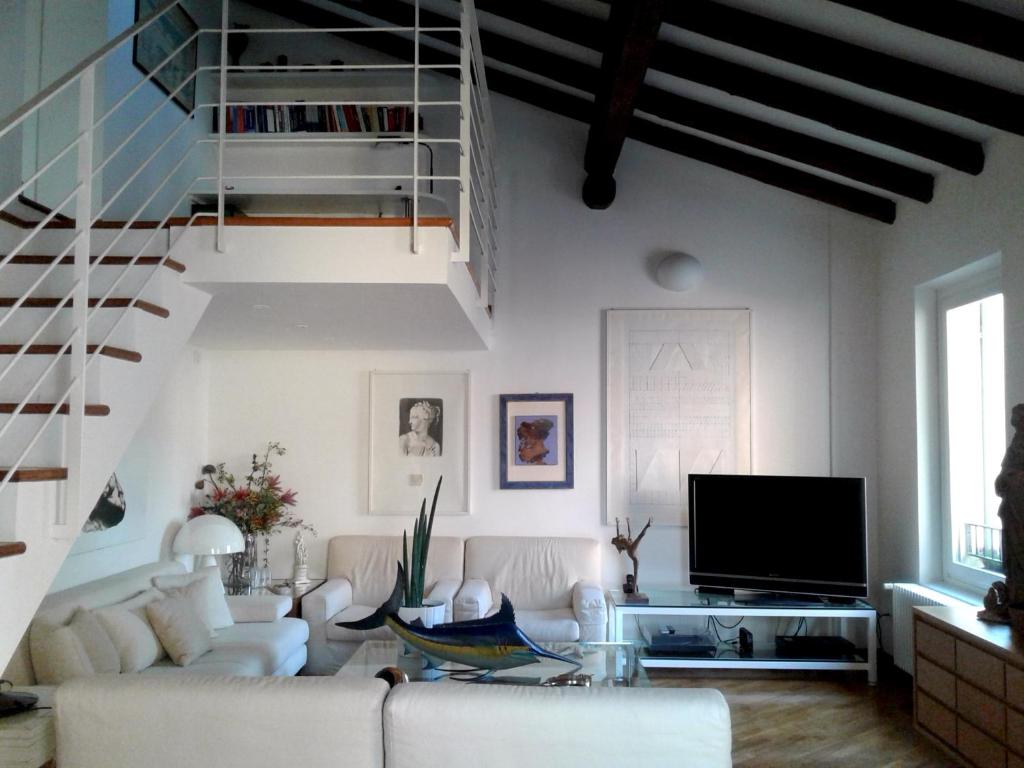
(677,402)
(419,431)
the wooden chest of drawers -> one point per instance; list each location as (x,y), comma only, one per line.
(969,686)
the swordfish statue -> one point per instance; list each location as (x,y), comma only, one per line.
(484,645)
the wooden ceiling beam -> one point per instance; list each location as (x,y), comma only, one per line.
(576,108)
(776,92)
(872,69)
(953,20)
(631,34)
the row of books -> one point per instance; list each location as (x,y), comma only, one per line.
(316,118)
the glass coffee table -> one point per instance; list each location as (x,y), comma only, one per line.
(603,665)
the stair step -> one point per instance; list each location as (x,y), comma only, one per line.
(107,261)
(34,474)
(52,349)
(11,548)
(43,409)
(112,303)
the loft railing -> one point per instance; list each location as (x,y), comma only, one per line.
(110,180)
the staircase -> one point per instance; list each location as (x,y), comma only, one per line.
(148,318)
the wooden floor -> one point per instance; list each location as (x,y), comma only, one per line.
(826,720)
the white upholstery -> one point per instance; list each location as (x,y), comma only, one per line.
(473,600)
(316,722)
(552,583)
(199,721)
(263,647)
(361,574)
(466,726)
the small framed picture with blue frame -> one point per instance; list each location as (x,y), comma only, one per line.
(535,441)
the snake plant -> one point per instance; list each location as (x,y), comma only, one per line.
(416,575)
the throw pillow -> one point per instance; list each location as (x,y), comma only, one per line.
(97,643)
(58,655)
(126,623)
(207,592)
(180,629)
(177,580)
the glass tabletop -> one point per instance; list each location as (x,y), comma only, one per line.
(690,598)
(603,665)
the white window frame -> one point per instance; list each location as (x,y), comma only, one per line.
(976,287)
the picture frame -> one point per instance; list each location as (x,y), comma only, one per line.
(677,402)
(157,41)
(419,431)
(535,441)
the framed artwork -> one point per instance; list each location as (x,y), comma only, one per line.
(678,402)
(158,41)
(419,431)
(535,441)
(112,520)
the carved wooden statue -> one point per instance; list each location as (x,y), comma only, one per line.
(629,545)
(1010,487)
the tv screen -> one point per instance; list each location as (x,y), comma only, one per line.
(802,535)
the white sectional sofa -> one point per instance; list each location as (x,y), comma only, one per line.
(360,576)
(260,642)
(332,722)
(553,582)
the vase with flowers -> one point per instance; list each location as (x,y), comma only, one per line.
(259,506)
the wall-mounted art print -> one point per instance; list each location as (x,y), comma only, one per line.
(419,431)
(158,41)
(678,402)
(112,520)
(535,441)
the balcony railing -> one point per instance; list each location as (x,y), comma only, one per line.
(984,543)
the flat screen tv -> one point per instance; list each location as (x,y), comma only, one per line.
(799,535)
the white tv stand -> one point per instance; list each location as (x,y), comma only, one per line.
(687,602)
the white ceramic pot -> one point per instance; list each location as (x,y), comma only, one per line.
(430,613)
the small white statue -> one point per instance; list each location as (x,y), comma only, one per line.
(301,574)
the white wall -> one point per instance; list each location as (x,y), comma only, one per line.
(971,218)
(561,266)
(156,472)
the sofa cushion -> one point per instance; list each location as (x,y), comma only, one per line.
(228,662)
(555,625)
(205,589)
(536,573)
(59,656)
(180,628)
(369,564)
(126,623)
(271,642)
(98,646)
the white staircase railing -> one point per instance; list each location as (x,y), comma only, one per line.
(182,172)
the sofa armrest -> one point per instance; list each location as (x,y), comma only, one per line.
(322,604)
(591,611)
(473,601)
(445,591)
(247,609)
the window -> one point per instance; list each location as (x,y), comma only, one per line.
(973,428)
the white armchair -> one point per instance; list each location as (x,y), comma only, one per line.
(553,583)
(360,576)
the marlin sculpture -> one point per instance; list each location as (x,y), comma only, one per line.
(483,645)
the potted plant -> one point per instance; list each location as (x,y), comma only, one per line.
(430,612)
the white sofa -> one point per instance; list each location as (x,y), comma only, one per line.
(261,642)
(361,574)
(553,583)
(321,722)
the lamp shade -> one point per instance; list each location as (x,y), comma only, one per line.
(208,535)
(679,272)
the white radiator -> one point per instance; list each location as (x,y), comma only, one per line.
(904,597)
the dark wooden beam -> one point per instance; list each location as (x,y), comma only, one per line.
(878,71)
(767,171)
(772,91)
(576,108)
(954,20)
(631,33)
(834,158)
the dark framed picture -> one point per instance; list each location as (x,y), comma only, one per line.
(535,441)
(158,41)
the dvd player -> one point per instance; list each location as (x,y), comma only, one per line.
(813,647)
(675,644)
